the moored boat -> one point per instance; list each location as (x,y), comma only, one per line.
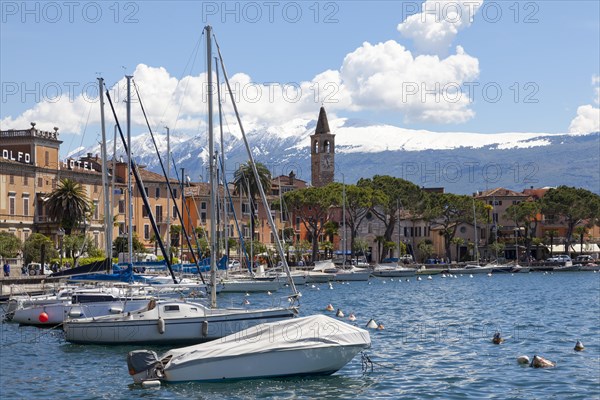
(320,346)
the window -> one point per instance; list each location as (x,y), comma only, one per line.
(159,212)
(245,208)
(96,210)
(95,188)
(47,158)
(418,231)
(25,180)
(203,205)
(157,192)
(171,308)
(174,211)
(203,217)
(144,211)
(11,179)
(26,233)
(369,228)
(40,182)
(146,190)
(297,223)
(96,239)
(174,193)
(11,205)
(26,206)
(121,228)
(146,231)
(121,206)
(495,218)
(516,202)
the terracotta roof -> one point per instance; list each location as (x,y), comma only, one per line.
(501,192)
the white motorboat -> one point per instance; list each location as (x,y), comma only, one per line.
(392,271)
(93,302)
(352,274)
(471,269)
(320,345)
(169,322)
(246,285)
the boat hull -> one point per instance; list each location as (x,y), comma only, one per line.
(182,330)
(321,361)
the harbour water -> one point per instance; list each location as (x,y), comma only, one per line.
(436,344)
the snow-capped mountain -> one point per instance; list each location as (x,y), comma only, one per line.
(459,161)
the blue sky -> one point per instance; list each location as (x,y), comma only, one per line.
(544,56)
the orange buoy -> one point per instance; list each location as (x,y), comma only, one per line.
(43,317)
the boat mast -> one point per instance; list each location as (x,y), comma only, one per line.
(129,189)
(105,189)
(225,213)
(168,229)
(213,186)
(398,208)
(475,226)
(344,218)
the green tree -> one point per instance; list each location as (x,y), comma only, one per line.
(575,206)
(68,204)
(425,248)
(526,216)
(313,205)
(393,194)
(449,210)
(246,183)
(32,249)
(10,245)
(121,245)
(498,249)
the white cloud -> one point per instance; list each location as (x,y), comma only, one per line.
(586,121)
(588,116)
(435,27)
(388,76)
(596,84)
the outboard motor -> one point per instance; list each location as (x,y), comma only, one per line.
(141,365)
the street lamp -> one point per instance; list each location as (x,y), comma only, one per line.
(61,234)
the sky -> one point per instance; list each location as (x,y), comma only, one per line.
(444,66)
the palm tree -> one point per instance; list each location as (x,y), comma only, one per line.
(68,204)
(245,183)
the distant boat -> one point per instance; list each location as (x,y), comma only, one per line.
(470,269)
(392,270)
(320,346)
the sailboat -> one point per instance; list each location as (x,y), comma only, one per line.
(180,321)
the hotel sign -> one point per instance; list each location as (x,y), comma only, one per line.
(25,158)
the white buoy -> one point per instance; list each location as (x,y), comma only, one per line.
(372,324)
(247,294)
(330,285)
(313,286)
(329,307)
(339,313)
(455,277)
(579,346)
(489,274)
(470,275)
(429,277)
(152,383)
(418,278)
(269,292)
(523,360)
(351,317)
(407,280)
(443,275)
(392,279)
(246,302)
(383,281)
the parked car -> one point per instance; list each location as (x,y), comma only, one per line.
(559,258)
(234,264)
(584,258)
(37,269)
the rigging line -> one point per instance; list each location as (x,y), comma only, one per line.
(141,190)
(162,166)
(192,58)
(256,176)
(70,148)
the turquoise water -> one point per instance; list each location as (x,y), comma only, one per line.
(436,344)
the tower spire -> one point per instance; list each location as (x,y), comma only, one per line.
(322,124)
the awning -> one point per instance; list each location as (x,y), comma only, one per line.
(576,248)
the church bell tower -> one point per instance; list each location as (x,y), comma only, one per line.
(322,152)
